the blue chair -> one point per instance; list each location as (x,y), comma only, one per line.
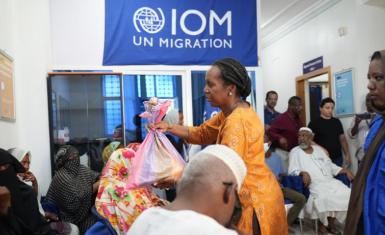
(49,206)
(102,226)
(98,229)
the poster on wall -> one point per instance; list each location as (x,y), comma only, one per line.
(7,101)
(343,91)
(173,32)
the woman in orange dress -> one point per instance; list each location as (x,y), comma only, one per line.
(239,127)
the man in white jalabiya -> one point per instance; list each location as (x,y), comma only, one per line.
(206,198)
(329,197)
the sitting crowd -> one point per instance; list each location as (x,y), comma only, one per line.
(233,186)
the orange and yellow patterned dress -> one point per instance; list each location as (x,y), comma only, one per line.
(243,131)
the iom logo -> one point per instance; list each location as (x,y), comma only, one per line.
(148,20)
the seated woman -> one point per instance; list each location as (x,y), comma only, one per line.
(114,201)
(72,188)
(21,214)
(24,157)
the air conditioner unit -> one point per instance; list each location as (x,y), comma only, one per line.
(379,3)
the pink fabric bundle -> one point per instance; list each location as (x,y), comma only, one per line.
(156,159)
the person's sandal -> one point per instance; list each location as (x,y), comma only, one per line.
(322,230)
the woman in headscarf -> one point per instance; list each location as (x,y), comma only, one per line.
(109,149)
(366,213)
(72,188)
(239,127)
(115,201)
(23,217)
(24,157)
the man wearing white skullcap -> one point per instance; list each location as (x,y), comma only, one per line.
(206,197)
(329,197)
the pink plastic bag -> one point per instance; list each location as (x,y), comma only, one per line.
(156,159)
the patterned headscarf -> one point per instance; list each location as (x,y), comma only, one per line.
(109,149)
(71,188)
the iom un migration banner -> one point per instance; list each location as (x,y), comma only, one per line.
(179,32)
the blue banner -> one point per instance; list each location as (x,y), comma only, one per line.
(179,32)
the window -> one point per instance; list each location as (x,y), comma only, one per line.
(112,103)
(139,88)
(202,110)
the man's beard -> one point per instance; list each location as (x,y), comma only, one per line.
(303,145)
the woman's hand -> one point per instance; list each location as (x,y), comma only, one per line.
(29,177)
(161,126)
(51,216)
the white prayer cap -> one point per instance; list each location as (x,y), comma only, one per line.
(306,129)
(229,157)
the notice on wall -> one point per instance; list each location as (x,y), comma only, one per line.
(343,87)
(7,105)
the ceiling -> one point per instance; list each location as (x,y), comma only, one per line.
(279,17)
(275,13)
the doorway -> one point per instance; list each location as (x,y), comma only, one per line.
(312,88)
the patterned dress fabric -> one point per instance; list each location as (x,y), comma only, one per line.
(115,201)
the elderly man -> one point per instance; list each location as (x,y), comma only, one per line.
(329,197)
(217,171)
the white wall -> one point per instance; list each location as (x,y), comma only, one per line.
(282,61)
(24,34)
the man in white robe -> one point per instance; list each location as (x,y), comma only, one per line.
(218,171)
(329,197)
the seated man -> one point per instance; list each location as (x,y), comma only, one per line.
(329,197)
(206,197)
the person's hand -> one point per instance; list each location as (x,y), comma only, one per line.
(165,183)
(95,186)
(5,200)
(348,173)
(357,120)
(283,143)
(161,126)
(51,216)
(29,177)
(306,178)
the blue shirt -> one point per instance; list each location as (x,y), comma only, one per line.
(270,116)
(374,195)
(275,164)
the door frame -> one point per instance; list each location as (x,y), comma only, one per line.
(300,82)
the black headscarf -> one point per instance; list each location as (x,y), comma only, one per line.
(23,199)
(235,73)
(71,188)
